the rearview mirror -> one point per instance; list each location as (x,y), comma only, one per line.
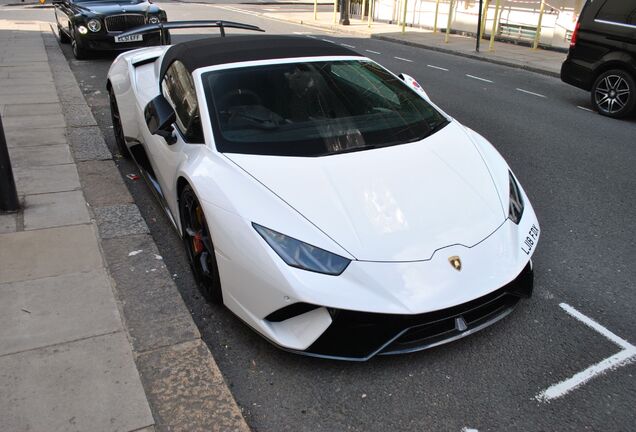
(410,81)
(159,117)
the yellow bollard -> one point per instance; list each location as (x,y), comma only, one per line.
(436,12)
(371,9)
(537,35)
(495,22)
(335,11)
(450,17)
(315,10)
(364,4)
(404,15)
(484,17)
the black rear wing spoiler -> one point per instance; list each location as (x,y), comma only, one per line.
(162,26)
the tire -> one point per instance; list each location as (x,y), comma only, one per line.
(78,52)
(614,93)
(199,247)
(118,130)
(64,37)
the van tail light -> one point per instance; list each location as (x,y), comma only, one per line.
(575,34)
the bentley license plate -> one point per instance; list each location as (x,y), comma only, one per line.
(131,38)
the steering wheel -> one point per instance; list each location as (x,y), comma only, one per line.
(242,93)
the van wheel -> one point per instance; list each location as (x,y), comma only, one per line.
(614,93)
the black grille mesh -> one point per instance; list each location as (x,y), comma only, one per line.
(124,22)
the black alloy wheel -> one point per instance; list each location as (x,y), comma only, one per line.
(614,93)
(64,38)
(118,130)
(78,52)
(198,244)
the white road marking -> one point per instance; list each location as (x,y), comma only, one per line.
(624,357)
(135,252)
(373,52)
(466,429)
(584,109)
(348,46)
(530,93)
(403,59)
(330,41)
(437,67)
(301,33)
(233,9)
(310,36)
(478,78)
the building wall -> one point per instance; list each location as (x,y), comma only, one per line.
(518,18)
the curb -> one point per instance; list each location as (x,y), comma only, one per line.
(182,382)
(468,55)
(338,29)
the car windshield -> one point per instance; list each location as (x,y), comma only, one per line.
(315,109)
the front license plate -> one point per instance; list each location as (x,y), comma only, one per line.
(131,38)
(530,240)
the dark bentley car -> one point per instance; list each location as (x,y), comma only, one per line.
(95,25)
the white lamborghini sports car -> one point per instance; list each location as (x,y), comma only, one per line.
(326,201)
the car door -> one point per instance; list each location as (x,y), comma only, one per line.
(177,86)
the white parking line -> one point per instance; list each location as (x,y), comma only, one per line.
(348,46)
(403,59)
(437,67)
(584,109)
(478,78)
(373,52)
(531,93)
(622,358)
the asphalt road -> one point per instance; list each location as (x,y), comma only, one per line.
(578,169)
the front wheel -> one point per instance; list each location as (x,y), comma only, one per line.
(78,52)
(64,37)
(118,130)
(614,93)
(198,244)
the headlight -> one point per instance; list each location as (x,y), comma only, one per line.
(154,20)
(515,210)
(94,25)
(302,255)
(82,29)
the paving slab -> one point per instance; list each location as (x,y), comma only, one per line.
(52,252)
(175,375)
(34,121)
(102,184)
(87,143)
(20,137)
(153,309)
(120,220)
(45,179)
(29,110)
(6,89)
(88,385)
(50,311)
(8,223)
(42,97)
(55,209)
(58,154)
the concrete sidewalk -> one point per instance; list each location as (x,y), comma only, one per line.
(94,335)
(508,54)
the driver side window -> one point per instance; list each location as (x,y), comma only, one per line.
(177,87)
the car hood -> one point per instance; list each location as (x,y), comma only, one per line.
(109,7)
(398,203)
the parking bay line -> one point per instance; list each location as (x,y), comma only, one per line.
(437,67)
(373,52)
(403,59)
(624,357)
(478,78)
(531,93)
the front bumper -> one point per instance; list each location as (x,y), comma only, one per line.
(358,336)
(106,42)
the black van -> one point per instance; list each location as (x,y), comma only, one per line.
(602,56)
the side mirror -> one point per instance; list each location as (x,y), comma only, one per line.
(159,117)
(410,81)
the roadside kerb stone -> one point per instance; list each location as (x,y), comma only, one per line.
(87,143)
(102,184)
(184,387)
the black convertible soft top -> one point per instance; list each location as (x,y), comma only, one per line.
(239,48)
